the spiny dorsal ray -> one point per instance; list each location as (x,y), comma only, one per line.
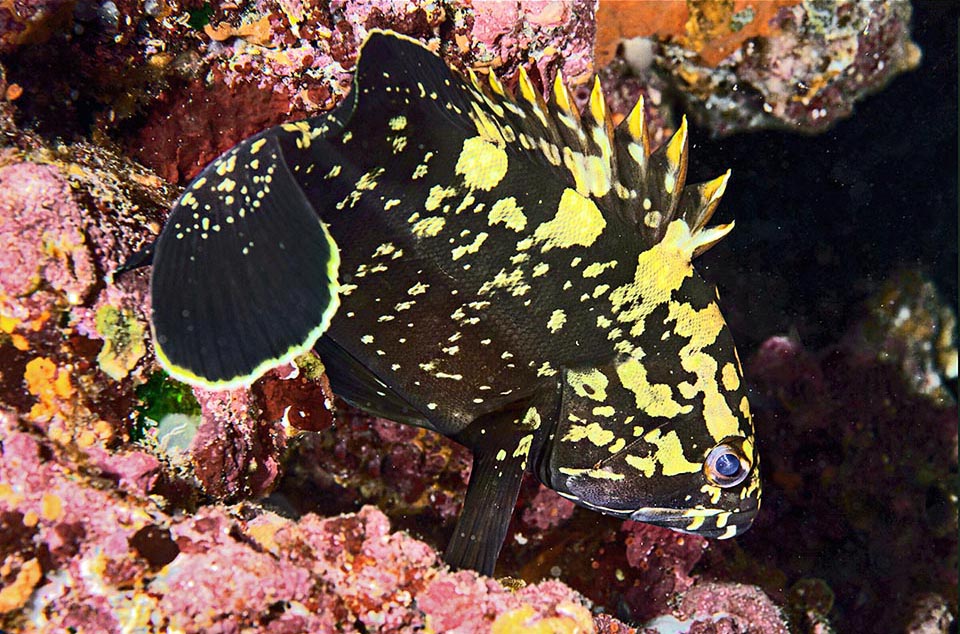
(613,164)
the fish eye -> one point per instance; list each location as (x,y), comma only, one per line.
(726,465)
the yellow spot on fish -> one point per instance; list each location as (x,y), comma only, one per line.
(429,227)
(227,166)
(598,474)
(473,247)
(512,281)
(592,432)
(437,196)
(618,444)
(531,419)
(523,447)
(578,222)
(557,319)
(481,163)
(644,465)
(369,180)
(540,268)
(591,383)
(654,399)
(604,410)
(702,327)
(546,369)
(507,211)
(595,269)
(590,174)
(670,453)
(660,271)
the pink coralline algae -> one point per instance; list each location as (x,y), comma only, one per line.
(284,60)
(79,555)
(234,453)
(664,561)
(45,250)
(546,510)
(726,608)
(67,339)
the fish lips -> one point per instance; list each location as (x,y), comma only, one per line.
(707,522)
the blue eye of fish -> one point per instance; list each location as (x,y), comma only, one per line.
(727,464)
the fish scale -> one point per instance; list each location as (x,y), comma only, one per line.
(501,269)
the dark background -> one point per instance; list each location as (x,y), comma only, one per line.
(823,220)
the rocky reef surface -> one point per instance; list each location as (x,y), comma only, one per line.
(129,502)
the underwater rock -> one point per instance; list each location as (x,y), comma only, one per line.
(717,608)
(71,214)
(931,615)
(909,325)
(124,341)
(546,510)
(298,395)
(787,64)
(78,554)
(661,562)
(47,256)
(110,557)
(235,454)
(283,60)
(31,22)
(406,471)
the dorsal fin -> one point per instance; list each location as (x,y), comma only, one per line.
(614,165)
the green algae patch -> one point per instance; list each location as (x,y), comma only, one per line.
(159,398)
(123,341)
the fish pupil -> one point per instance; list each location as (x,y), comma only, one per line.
(727,465)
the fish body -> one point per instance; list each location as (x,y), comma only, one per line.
(509,272)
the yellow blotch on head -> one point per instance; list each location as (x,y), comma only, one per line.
(731,381)
(670,453)
(592,432)
(702,327)
(482,164)
(591,383)
(578,222)
(653,399)
(660,271)
(644,465)
(557,319)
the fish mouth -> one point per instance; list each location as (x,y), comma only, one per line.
(706,522)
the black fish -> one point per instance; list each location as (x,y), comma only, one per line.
(511,273)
